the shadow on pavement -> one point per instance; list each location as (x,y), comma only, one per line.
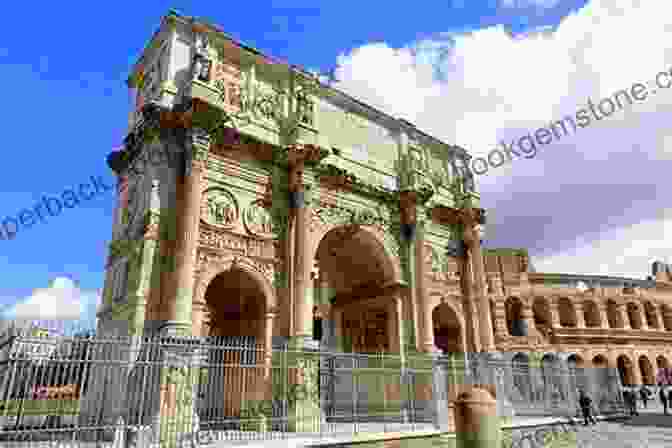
(649,419)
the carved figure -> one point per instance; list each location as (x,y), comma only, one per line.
(304,108)
(203,69)
(201,43)
(221,211)
(258,220)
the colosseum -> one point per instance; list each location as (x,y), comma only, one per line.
(592,320)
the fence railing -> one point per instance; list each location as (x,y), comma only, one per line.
(202,389)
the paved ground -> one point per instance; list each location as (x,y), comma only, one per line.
(651,429)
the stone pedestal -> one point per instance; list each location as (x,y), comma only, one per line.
(476,422)
(296,384)
(174,393)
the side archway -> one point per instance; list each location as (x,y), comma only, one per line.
(448,329)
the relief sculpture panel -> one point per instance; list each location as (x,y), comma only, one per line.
(258,220)
(219,208)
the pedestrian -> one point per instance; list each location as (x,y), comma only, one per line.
(630,399)
(644,396)
(586,408)
(669,396)
(663,398)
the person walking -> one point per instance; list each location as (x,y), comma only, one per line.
(644,396)
(631,401)
(669,396)
(586,408)
(663,397)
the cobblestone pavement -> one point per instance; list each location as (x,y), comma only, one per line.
(651,429)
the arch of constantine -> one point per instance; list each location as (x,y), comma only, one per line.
(284,211)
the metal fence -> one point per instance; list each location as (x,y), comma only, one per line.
(200,390)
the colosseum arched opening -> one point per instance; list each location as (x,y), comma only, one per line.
(662,362)
(514,317)
(591,314)
(567,313)
(666,311)
(646,369)
(625,370)
(613,315)
(541,311)
(651,317)
(634,316)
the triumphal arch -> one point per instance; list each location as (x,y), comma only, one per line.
(257,202)
(254,200)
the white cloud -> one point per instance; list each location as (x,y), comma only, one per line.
(62,302)
(479,88)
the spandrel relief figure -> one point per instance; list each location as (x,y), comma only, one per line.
(304,108)
(258,220)
(203,69)
(221,211)
(202,44)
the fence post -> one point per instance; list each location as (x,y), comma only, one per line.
(477,424)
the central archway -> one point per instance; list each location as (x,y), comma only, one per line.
(365,293)
(367,306)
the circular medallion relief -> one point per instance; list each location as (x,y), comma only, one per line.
(258,220)
(219,208)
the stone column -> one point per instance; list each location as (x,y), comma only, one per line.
(664,312)
(603,311)
(500,319)
(484,324)
(623,311)
(580,315)
(472,341)
(555,314)
(179,310)
(426,324)
(636,371)
(303,295)
(659,318)
(337,318)
(268,340)
(642,316)
(528,317)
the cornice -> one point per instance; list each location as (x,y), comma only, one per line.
(340,178)
(324,90)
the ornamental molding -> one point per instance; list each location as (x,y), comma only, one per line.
(219,208)
(209,261)
(215,239)
(328,216)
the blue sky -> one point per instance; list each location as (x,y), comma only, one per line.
(67,105)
